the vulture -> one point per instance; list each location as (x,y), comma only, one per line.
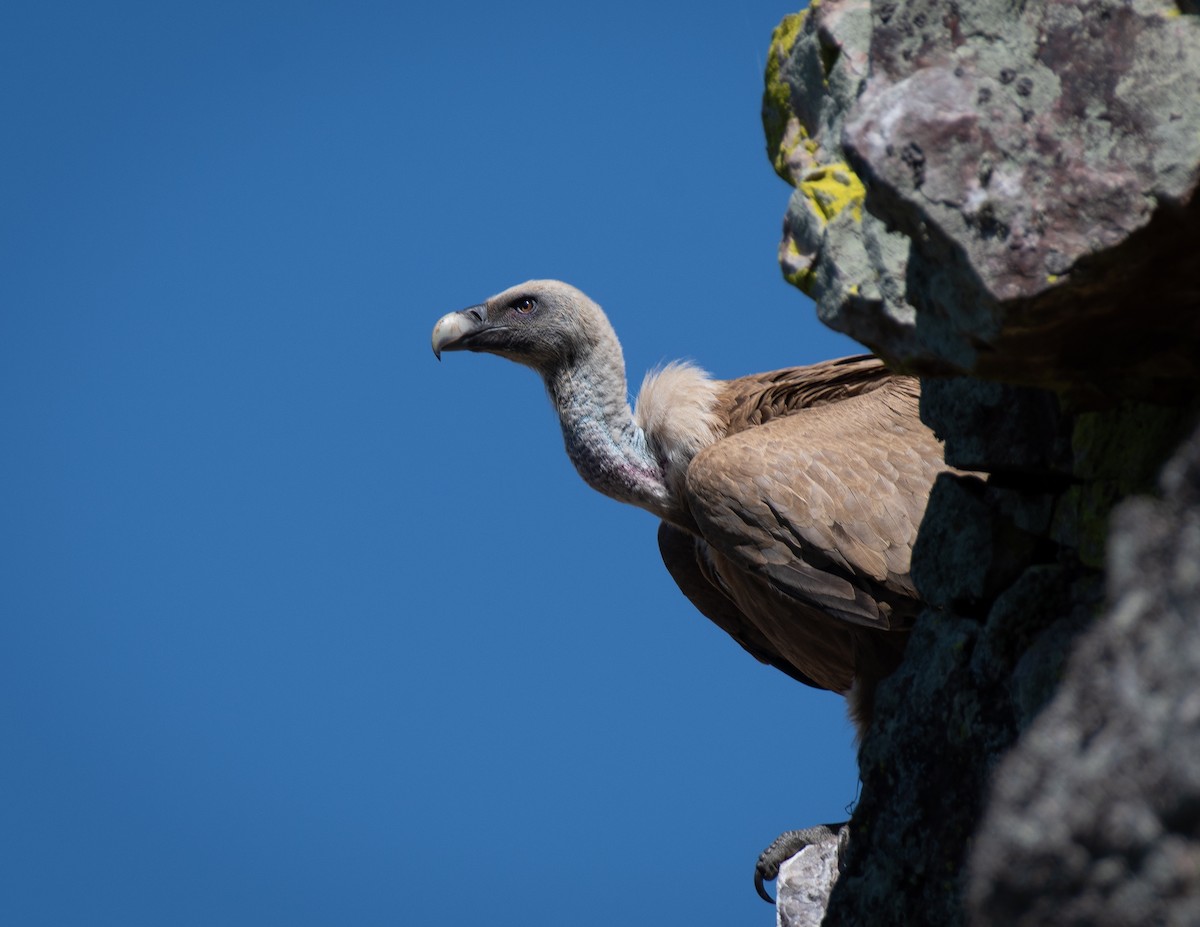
(789,501)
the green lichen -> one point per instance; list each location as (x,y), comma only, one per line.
(1127,443)
(1117,453)
(1081,520)
(777,95)
(831,189)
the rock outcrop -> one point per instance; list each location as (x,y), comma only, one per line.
(804,884)
(1095,818)
(1002,197)
(981,182)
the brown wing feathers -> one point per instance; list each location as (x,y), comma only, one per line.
(685,562)
(806,513)
(752,400)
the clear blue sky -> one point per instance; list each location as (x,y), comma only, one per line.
(299,626)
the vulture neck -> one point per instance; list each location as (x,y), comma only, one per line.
(608,448)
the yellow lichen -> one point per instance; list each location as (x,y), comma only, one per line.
(795,136)
(796,266)
(777,95)
(831,189)
(802,280)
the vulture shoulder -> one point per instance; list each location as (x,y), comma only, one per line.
(755,399)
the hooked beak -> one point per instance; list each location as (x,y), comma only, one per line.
(453,332)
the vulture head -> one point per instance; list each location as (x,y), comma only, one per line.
(555,329)
(543,324)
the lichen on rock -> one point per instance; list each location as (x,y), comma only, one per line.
(1023,166)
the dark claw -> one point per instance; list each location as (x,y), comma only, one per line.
(787,845)
(762,889)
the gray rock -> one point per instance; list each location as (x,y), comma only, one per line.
(804,884)
(1002,197)
(923,782)
(988,187)
(995,427)
(1095,818)
(968,548)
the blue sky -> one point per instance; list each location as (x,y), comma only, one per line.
(299,626)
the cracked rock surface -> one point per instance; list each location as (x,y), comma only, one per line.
(984,187)
(1096,814)
(804,884)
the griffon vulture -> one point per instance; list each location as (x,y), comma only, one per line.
(789,500)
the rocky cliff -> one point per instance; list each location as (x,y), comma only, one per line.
(1002,197)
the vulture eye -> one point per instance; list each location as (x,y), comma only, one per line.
(525,305)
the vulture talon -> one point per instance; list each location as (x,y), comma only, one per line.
(787,845)
(762,889)
(789,501)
